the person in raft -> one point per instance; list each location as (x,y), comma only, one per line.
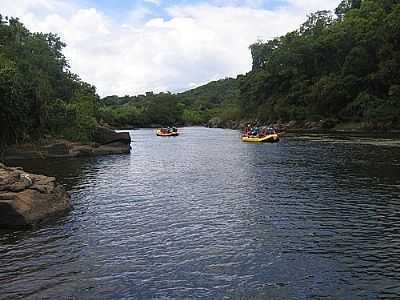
(247,130)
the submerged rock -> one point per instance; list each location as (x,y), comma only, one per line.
(27,199)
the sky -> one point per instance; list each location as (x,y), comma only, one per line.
(129,47)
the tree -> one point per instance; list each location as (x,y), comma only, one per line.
(316,22)
(36,86)
(345,6)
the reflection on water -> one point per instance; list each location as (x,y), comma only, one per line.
(207,216)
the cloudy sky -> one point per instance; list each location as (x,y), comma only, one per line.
(133,46)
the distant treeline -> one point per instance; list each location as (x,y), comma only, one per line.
(343,67)
(194,107)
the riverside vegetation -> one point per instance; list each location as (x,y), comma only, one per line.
(45,109)
(39,94)
(342,68)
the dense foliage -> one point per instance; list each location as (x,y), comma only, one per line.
(197,106)
(38,93)
(343,67)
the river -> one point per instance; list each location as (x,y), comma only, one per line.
(206,216)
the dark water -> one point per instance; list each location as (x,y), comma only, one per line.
(205,216)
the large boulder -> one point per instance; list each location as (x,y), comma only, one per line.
(27,199)
(104,136)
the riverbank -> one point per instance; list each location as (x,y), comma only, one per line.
(106,141)
(322,126)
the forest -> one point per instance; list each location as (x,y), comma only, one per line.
(344,68)
(341,66)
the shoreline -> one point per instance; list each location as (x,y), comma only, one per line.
(317,127)
(60,148)
(106,142)
(289,130)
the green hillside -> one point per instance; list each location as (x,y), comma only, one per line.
(343,67)
(215,99)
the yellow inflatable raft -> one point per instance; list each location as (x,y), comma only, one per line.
(160,132)
(269,138)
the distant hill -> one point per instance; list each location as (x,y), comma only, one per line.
(216,99)
(216,91)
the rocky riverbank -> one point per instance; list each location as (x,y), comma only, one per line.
(296,126)
(106,141)
(27,199)
(278,125)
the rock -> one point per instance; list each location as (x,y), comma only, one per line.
(104,136)
(235,125)
(108,140)
(328,123)
(244,123)
(215,123)
(231,124)
(15,153)
(57,149)
(292,124)
(27,199)
(227,124)
(114,148)
(82,150)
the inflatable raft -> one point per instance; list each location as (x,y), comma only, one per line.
(165,132)
(269,138)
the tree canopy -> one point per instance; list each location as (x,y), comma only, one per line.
(343,67)
(193,107)
(38,93)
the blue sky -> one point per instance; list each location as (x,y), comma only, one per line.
(134,46)
(157,8)
(121,5)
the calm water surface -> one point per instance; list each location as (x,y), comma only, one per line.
(205,216)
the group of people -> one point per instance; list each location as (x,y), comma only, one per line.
(258,131)
(168,130)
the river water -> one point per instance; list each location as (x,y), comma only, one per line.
(205,216)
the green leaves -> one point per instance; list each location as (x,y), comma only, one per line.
(194,107)
(38,93)
(345,68)
(345,6)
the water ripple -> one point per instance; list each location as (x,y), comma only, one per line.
(204,216)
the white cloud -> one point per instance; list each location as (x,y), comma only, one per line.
(197,43)
(156,2)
